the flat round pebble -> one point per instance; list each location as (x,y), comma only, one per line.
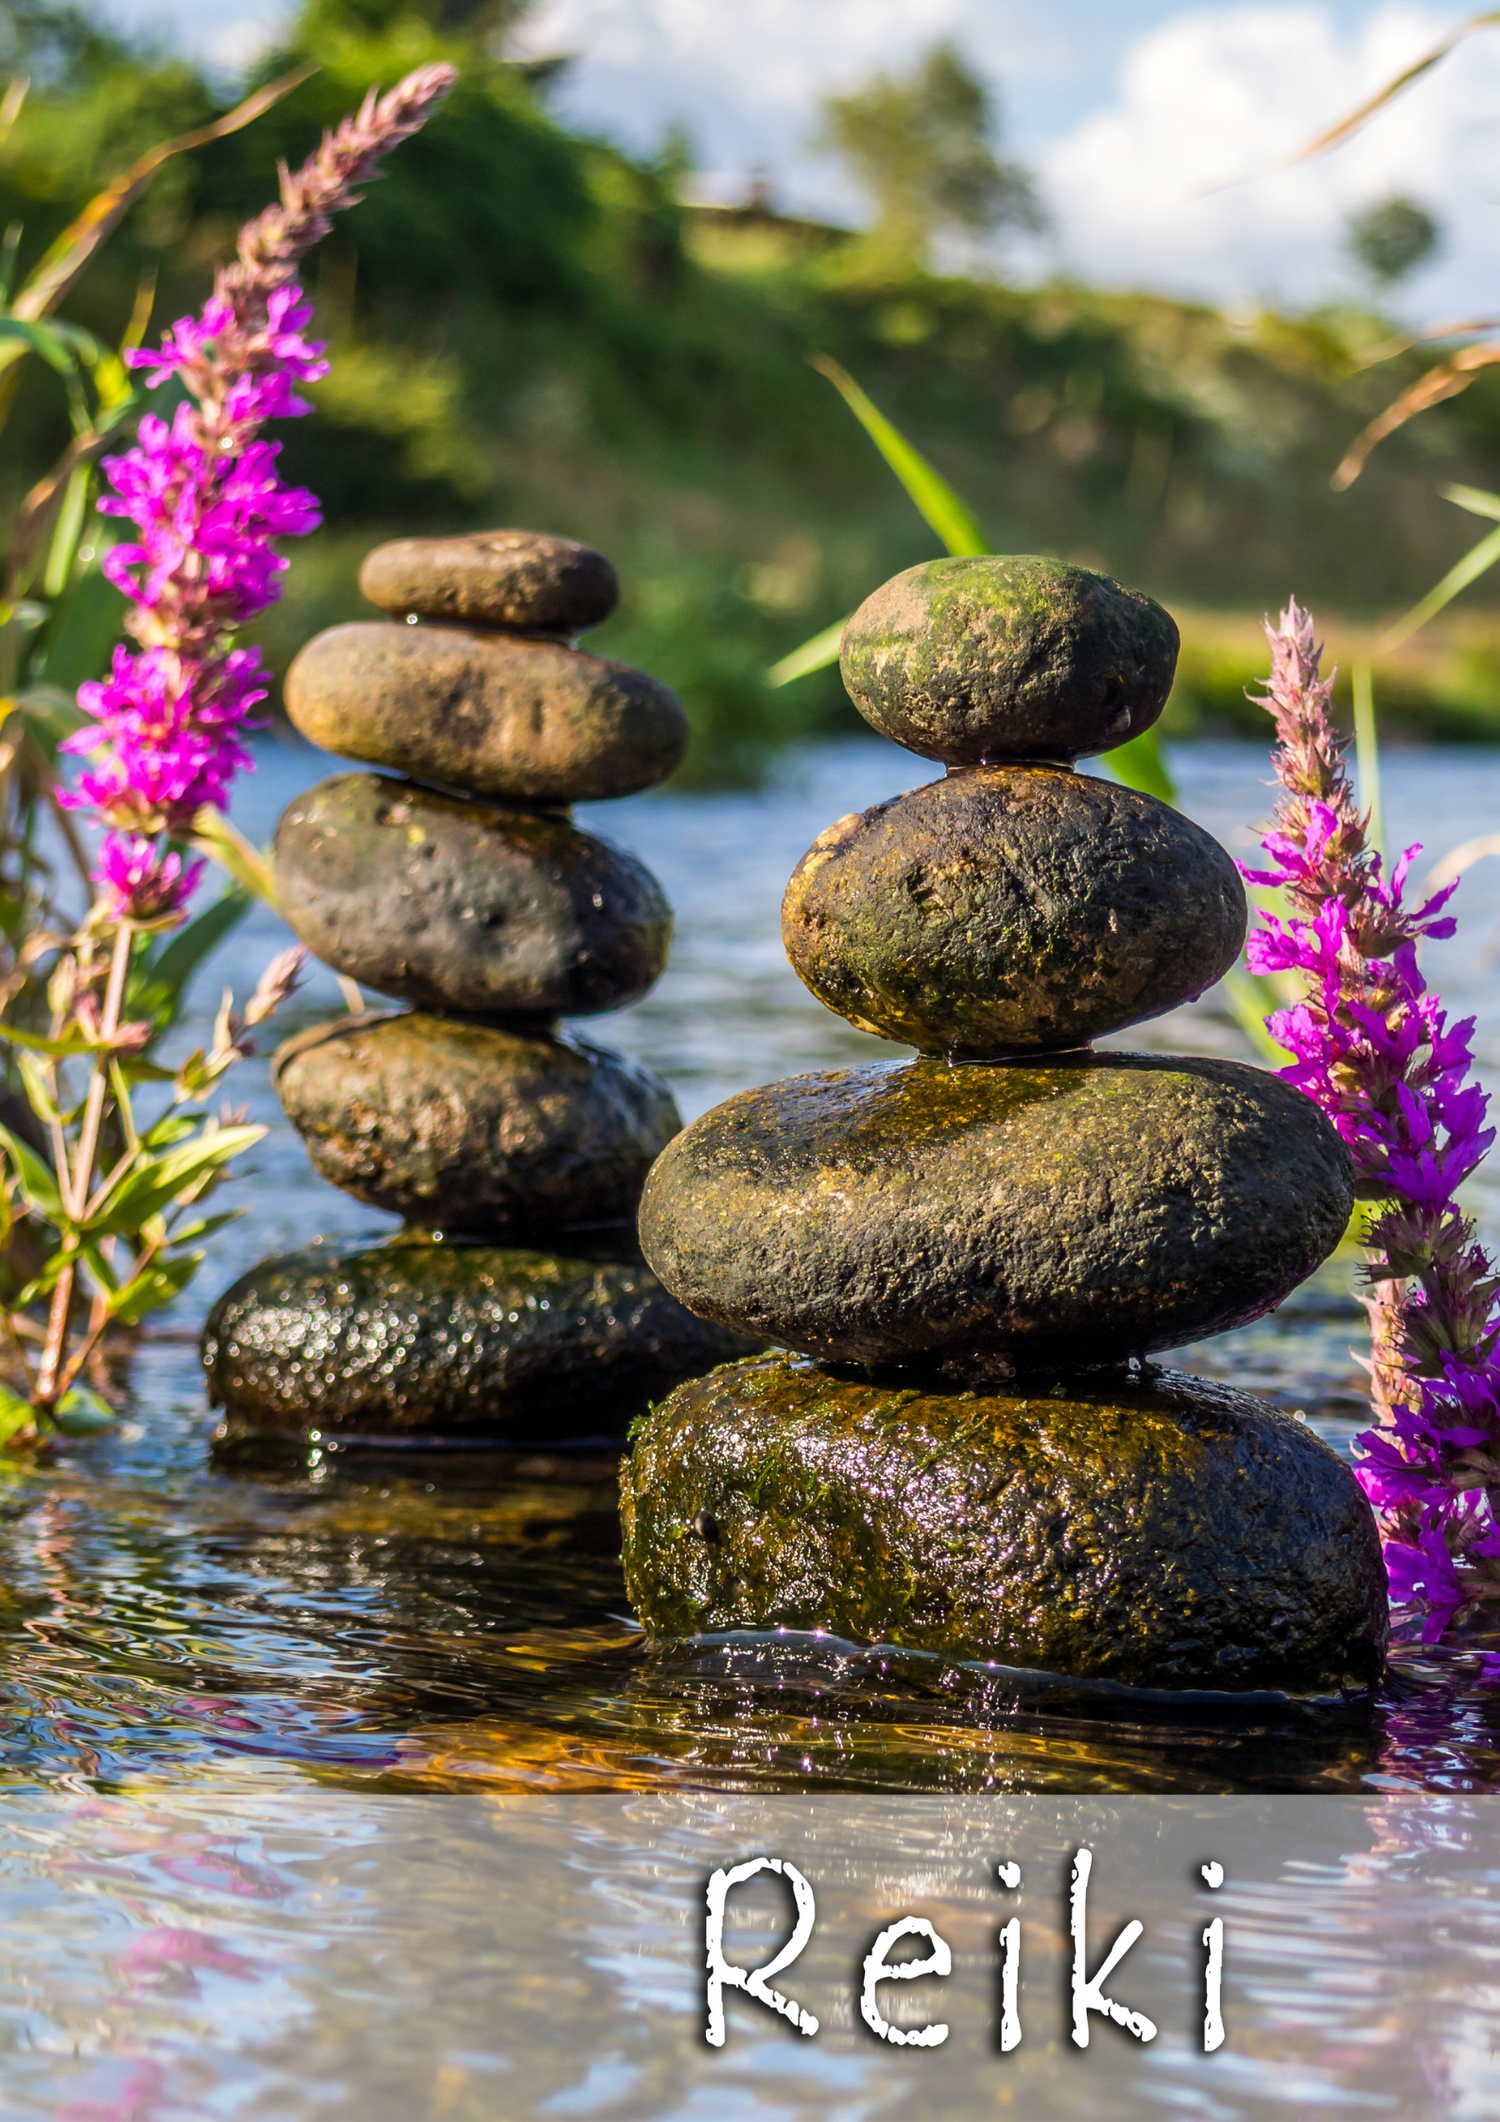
(1012,910)
(977,660)
(523,580)
(991,1216)
(468,1128)
(1156,1531)
(467,907)
(402,1337)
(486,714)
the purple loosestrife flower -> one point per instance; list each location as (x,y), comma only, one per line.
(203,494)
(1373,1047)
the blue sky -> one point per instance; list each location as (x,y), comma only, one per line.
(1126,109)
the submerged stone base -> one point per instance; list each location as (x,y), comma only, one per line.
(406,1336)
(1148,1528)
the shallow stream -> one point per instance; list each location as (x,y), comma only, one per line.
(409,1621)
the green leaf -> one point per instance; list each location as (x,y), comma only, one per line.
(94,1260)
(154,1185)
(184,1233)
(15,1414)
(158,982)
(38,1095)
(213,835)
(67,1048)
(37,1181)
(173,1128)
(816,654)
(1367,754)
(81,1412)
(156,1287)
(934,498)
(1140,765)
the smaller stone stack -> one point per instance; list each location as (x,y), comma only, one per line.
(515,1304)
(970,1255)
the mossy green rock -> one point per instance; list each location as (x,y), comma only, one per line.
(488,715)
(521,579)
(467,907)
(975,660)
(406,1337)
(992,1215)
(1155,1530)
(467,1127)
(1012,909)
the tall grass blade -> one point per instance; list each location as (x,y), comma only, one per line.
(1251,1001)
(1367,754)
(815,654)
(1140,765)
(1474,563)
(931,494)
(1336,135)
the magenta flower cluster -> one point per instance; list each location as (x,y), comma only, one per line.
(1372,1045)
(203,494)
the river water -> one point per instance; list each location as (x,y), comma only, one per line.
(287,1754)
(458,1622)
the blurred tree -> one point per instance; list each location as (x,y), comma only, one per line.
(921,147)
(1391,238)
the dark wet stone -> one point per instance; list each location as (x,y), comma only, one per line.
(467,906)
(525,580)
(528,721)
(979,1216)
(1156,1530)
(405,1336)
(1015,658)
(466,1127)
(1012,909)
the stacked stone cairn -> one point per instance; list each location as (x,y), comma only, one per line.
(964,1260)
(515,1305)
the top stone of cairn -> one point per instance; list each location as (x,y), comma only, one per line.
(523,581)
(983,661)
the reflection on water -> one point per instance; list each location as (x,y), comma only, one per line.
(444,1621)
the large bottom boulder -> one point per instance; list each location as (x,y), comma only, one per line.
(1141,1527)
(411,1336)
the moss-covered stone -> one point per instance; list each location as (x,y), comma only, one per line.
(488,715)
(469,1128)
(406,1337)
(467,906)
(512,578)
(1152,1529)
(1012,909)
(969,661)
(976,1217)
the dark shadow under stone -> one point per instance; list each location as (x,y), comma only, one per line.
(1146,1528)
(411,1336)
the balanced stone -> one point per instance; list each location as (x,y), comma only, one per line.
(486,714)
(467,907)
(976,660)
(1012,909)
(519,579)
(469,1128)
(407,1336)
(990,1216)
(1159,1531)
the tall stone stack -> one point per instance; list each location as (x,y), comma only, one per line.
(515,1302)
(971,1255)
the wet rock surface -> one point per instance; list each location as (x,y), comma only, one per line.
(520,579)
(1151,1529)
(1012,910)
(969,1218)
(466,1127)
(532,722)
(976,660)
(467,907)
(403,1337)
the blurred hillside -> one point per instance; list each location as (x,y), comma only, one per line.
(529,328)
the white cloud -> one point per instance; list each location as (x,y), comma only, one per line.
(1217,92)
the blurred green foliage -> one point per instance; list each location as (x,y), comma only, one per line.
(527,327)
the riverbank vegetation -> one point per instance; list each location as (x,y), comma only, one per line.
(530,327)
